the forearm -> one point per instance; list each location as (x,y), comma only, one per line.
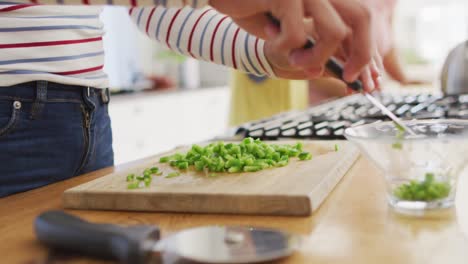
(204,34)
(394,67)
(162,3)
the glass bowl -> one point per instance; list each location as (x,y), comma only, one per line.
(421,171)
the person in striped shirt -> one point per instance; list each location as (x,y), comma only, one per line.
(53,98)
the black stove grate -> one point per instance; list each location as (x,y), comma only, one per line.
(329,120)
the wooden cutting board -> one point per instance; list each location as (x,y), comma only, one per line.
(296,189)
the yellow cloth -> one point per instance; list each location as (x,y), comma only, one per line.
(252,101)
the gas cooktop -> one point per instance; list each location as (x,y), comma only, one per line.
(329,120)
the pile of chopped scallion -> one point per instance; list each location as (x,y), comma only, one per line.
(247,156)
(427,190)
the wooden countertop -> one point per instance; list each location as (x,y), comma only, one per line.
(354,225)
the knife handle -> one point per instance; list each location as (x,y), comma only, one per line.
(333,65)
(63,231)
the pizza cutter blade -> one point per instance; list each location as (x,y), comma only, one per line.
(142,244)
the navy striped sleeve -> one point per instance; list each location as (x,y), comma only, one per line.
(207,35)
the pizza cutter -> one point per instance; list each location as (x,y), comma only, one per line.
(142,244)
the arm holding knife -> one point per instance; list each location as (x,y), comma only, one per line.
(337,24)
(286,33)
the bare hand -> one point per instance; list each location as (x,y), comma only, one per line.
(338,23)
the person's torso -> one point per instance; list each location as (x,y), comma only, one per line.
(55,43)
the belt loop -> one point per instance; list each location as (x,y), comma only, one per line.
(39,101)
(88,93)
(105,96)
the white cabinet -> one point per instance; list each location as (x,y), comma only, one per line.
(149,123)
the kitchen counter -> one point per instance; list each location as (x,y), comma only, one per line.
(354,225)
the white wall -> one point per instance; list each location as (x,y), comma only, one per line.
(149,123)
(131,55)
(122,55)
(431,27)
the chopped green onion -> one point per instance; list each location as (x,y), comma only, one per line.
(293,152)
(199,165)
(336,147)
(132,185)
(147,181)
(130,177)
(281,163)
(164,159)
(234,169)
(177,156)
(262,163)
(427,190)
(252,168)
(197,149)
(299,146)
(305,156)
(400,136)
(247,156)
(429,177)
(140,178)
(173,174)
(248,140)
(182,165)
(397,145)
(399,127)
(233,163)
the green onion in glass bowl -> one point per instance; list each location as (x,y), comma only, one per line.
(421,171)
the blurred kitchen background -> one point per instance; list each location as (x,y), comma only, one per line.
(162,100)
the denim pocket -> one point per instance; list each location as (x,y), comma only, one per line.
(9,118)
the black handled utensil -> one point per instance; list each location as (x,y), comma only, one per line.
(142,244)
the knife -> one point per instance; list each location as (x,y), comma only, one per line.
(142,244)
(335,66)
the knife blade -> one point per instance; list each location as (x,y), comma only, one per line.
(389,113)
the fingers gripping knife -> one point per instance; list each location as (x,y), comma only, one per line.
(335,67)
(142,244)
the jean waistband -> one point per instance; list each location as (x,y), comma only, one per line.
(52,92)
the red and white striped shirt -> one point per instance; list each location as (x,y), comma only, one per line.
(64,43)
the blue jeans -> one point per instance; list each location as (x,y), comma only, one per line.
(50,132)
